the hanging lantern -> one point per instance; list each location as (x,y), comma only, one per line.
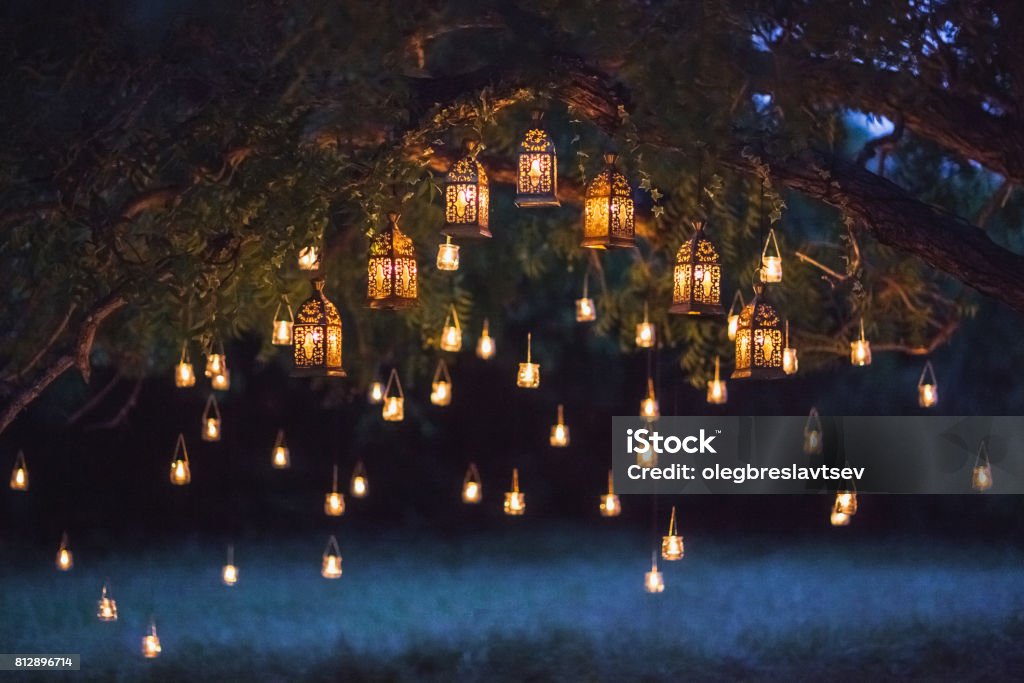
(927,387)
(19,475)
(334,502)
(790,363)
(608,210)
(649,406)
(646,335)
(860,349)
(375,395)
(771,260)
(282,332)
(646,457)
(466,197)
(448,255)
(151,643)
(441,386)
(846,501)
(718,393)
(981,478)
(838,518)
(391,278)
(585,310)
(280,457)
(317,337)
(107,606)
(697,278)
(758,340)
(485,347)
(515,500)
(65,559)
(180,472)
(211,420)
(216,360)
(672,544)
(559,431)
(451,332)
(537,170)
(610,506)
(184,374)
(472,489)
(393,409)
(528,376)
(330,567)
(812,433)
(229,573)
(734,315)
(360,485)
(221,381)
(309,258)
(654,580)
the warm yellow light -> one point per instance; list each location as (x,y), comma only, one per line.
(394,409)
(375,395)
(528,376)
(559,431)
(334,504)
(107,607)
(65,559)
(734,315)
(451,333)
(771,260)
(672,544)
(19,478)
(180,471)
(215,364)
(221,381)
(812,433)
(645,335)
(184,375)
(734,321)
(927,387)
(718,393)
(790,364)
(229,575)
(654,580)
(281,459)
(846,502)
(646,457)
(981,480)
(838,518)
(448,255)
(309,258)
(441,393)
(610,506)
(649,406)
(471,492)
(151,643)
(360,485)
(860,349)
(585,311)
(282,333)
(211,429)
(330,566)
(515,500)
(485,348)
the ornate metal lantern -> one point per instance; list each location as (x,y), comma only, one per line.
(537,170)
(472,489)
(106,609)
(393,409)
(672,543)
(451,332)
(466,198)
(211,420)
(330,565)
(360,484)
(608,210)
(441,386)
(654,580)
(334,502)
(649,406)
(697,278)
(19,475)
(927,387)
(181,474)
(790,362)
(280,456)
(860,349)
(184,373)
(718,393)
(758,340)
(515,500)
(391,279)
(734,315)
(317,337)
(65,559)
(981,477)
(585,310)
(229,572)
(812,433)
(485,347)
(559,431)
(771,260)
(281,335)
(646,334)
(448,255)
(528,376)
(610,506)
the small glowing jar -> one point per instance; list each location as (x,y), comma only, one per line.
(718,393)
(309,258)
(19,475)
(790,363)
(180,471)
(211,420)
(771,260)
(812,433)
(927,387)
(334,502)
(654,580)
(734,315)
(221,381)
(649,405)
(645,332)
(229,573)
(280,457)
(451,333)
(184,373)
(151,643)
(393,409)
(472,489)
(846,502)
(106,609)
(282,329)
(375,394)
(672,544)
(216,364)
(585,310)
(559,431)
(330,566)
(515,500)
(441,386)
(65,561)
(528,376)
(360,484)
(981,476)
(838,518)
(485,347)
(448,255)
(646,457)
(610,506)
(860,349)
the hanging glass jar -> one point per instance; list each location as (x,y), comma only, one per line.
(211,420)
(106,609)
(216,360)
(790,363)
(927,387)
(375,394)
(451,332)
(467,197)
(334,502)
(537,168)
(860,349)
(697,278)
(360,484)
(559,431)
(654,580)
(515,500)
(718,393)
(448,255)
(758,340)
(672,543)
(229,572)
(330,565)
(485,347)
(608,210)
(528,376)
(472,488)
(280,456)
(281,334)
(65,559)
(184,374)
(812,433)
(649,406)
(441,386)
(646,457)
(610,506)
(393,409)
(771,260)
(646,336)
(585,310)
(391,275)
(981,476)
(317,337)
(19,474)
(734,315)
(181,474)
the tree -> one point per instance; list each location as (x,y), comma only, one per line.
(162,171)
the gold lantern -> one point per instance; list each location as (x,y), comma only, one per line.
(472,488)
(608,210)
(360,485)
(718,393)
(317,337)
(151,642)
(537,170)
(216,360)
(19,475)
(790,363)
(981,477)
(649,406)
(860,349)
(280,456)
(515,500)
(375,394)
(330,566)
(334,502)
(771,260)
(646,336)
(672,544)
(181,474)
(654,580)
(585,310)
(734,315)
(106,609)
(451,332)
(528,376)
(391,277)
(610,506)
(697,278)
(184,374)
(559,431)
(309,258)
(485,347)
(448,255)
(927,387)
(466,197)
(211,420)
(229,572)
(646,457)
(758,339)
(65,559)
(393,409)
(441,386)
(812,433)
(281,335)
